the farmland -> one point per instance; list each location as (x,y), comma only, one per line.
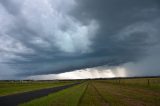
(130,92)
(105,92)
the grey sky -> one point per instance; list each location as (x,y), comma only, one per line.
(56,36)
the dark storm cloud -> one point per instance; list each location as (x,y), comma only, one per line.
(114,16)
(41,37)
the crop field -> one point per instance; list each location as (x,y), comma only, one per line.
(107,92)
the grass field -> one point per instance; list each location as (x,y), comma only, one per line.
(112,92)
(7,88)
(153,83)
(67,97)
(129,95)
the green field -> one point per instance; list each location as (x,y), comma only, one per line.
(106,92)
(12,87)
(115,92)
(67,97)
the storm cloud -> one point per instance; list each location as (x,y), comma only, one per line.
(55,36)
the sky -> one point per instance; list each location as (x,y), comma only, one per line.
(70,39)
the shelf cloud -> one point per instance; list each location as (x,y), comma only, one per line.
(41,37)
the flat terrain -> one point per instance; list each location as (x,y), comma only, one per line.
(13,87)
(129,95)
(67,97)
(108,92)
(15,99)
(92,97)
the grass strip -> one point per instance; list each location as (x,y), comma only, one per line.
(7,88)
(67,97)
